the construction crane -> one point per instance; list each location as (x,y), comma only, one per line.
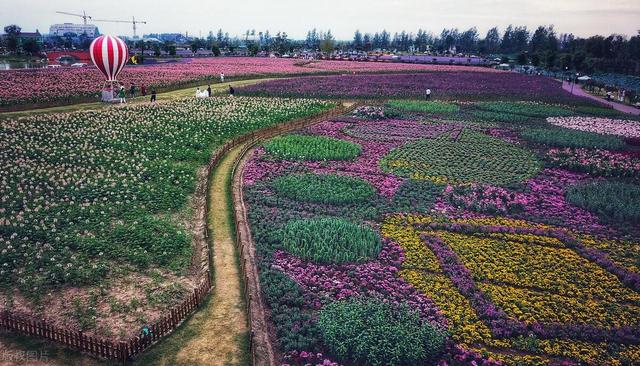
(84,15)
(133,21)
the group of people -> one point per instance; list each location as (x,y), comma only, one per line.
(122,94)
(621,95)
(206,93)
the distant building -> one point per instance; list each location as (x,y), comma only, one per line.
(78,29)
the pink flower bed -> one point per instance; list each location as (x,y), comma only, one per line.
(619,127)
(392,67)
(49,85)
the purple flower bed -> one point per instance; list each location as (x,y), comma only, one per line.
(444,85)
(377,279)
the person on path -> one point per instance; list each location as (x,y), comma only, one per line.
(428,94)
(143,90)
(122,95)
(623,95)
(132,91)
(609,94)
(209,90)
(198,92)
(222,77)
(231,90)
(153,95)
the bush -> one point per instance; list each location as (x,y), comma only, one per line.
(371,332)
(611,201)
(564,137)
(324,188)
(416,196)
(500,117)
(525,109)
(294,326)
(330,240)
(301,147)
(424,106)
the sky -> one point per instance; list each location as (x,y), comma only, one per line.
(342,17)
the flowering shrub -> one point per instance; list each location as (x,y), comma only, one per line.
(81,190)
(299,147)
(324,188)
(596,162)
(610,200)
(371,332)
(472,157)
(483,198)
(619,127)
(370,112)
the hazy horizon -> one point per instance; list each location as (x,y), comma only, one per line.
(582,18)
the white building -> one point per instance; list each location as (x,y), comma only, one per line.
(78,29)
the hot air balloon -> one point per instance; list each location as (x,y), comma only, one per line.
(109,54)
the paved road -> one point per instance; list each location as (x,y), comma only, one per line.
(577,90)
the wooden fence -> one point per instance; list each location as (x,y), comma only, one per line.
(126,350)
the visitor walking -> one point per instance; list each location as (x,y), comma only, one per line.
(231,90)
(209,90)
(428,94)
(132,91)
(122,95)
(143,90)
(153,95)
(609,95)
(222,77)
(622,95)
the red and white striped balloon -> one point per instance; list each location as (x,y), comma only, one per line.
(109,54)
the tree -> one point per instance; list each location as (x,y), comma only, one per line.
(367,42)
(507,40)
(469,40)
(357,41)
(522,58)
(31,47)
(539,40)
(156,50)
(492,40)
(535,60)
(327,45)
(253,48)
(215,49)
(13,32)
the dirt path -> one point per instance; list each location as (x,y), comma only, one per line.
(220,338)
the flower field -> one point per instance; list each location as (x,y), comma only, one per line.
(473,242)
(41,86)
(92,198)
(444,85)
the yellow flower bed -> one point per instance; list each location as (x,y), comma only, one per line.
(549,283)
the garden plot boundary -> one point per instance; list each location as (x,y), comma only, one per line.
(125,351)
(261,341)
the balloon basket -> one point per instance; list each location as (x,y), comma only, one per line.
(109,93)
